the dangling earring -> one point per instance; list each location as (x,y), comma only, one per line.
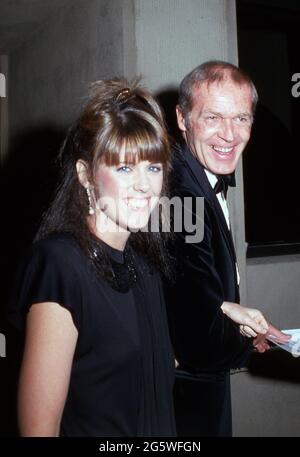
(91,209)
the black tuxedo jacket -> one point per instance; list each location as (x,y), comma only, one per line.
(206,343)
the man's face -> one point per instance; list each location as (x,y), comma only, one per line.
(218,127)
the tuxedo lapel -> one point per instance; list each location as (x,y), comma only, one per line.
(198,174)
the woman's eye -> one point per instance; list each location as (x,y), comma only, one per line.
(155,168)
(124,169)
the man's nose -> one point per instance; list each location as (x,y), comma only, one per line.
(141,183)
(226,132)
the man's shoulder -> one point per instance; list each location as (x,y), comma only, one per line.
(180,154)
(183,176)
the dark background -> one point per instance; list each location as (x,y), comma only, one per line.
(268,46)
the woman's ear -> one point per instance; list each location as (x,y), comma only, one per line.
(82,172)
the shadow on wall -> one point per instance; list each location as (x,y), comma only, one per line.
(168,100)
(29,177)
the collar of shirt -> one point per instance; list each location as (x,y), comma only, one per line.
(211,178)
(222,200)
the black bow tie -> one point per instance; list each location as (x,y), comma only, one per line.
(223,182)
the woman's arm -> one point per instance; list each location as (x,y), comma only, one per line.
(45,372)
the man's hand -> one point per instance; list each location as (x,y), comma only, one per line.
(251,321)
(261,344)
(253,324)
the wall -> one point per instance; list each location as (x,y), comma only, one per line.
(266,400)
(50,72)
(174,36)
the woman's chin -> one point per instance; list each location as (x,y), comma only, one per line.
(135,224)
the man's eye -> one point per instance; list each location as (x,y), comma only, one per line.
(211,117)
(243,119)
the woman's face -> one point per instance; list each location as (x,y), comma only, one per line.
(127,193)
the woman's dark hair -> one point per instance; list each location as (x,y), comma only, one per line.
(115,114)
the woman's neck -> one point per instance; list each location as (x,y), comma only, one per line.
(107,231)
(116,240)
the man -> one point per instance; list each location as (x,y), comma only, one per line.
(215,114)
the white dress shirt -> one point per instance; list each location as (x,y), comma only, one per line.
(223,203)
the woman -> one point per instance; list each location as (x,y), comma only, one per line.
(97,358)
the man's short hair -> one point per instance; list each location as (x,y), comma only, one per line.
(210,72)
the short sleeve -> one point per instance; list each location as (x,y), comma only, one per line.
(47,274)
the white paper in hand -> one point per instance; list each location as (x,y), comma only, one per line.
(293,345)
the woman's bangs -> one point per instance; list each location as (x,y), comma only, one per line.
(139,146)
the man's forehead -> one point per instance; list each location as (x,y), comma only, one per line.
(216,86)
(215,91)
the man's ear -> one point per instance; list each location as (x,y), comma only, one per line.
(81,168)
(180,119)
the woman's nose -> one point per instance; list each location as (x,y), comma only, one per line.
(141,183)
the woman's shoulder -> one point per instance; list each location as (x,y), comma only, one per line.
(59,252)
(61,246)
(49,272)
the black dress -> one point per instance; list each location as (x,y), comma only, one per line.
(122,373)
